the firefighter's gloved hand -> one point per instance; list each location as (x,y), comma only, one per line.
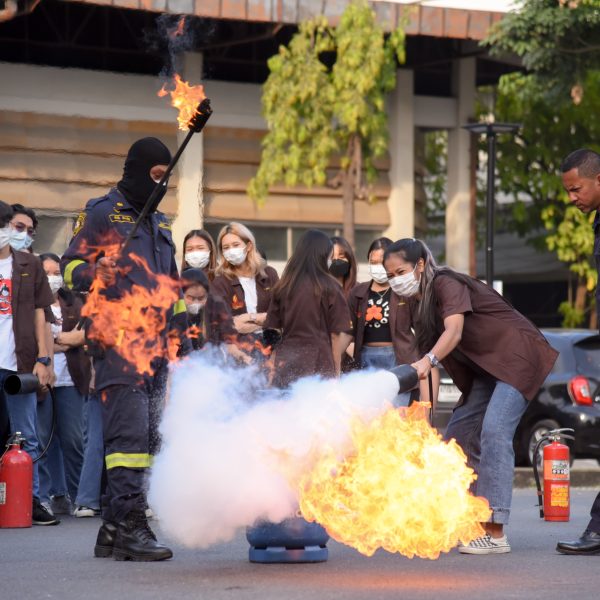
(106,270)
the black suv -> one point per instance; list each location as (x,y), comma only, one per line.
(569,397)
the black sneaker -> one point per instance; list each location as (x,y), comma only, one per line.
(40,515)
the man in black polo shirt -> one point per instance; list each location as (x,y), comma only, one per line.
(581,180)
(24,294)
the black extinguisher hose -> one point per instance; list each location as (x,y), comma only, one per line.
(52,428)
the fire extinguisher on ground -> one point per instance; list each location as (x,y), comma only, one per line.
(554,500)
(16,477)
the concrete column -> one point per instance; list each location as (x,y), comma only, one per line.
(458,213)
(190,197)
(401,201)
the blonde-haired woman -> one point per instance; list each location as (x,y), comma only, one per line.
(243,279)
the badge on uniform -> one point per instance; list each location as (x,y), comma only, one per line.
(119,218)
(79,223)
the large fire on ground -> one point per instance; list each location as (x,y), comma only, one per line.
(185,98)
(401,489)
(373,476)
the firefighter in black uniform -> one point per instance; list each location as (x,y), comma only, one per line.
(129,398)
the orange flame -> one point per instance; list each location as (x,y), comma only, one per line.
(403,489)
(134,323)
(178,30)
(185,98)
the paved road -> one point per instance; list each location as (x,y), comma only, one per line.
(56,562)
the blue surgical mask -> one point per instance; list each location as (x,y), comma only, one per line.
(5,236)
(18,240)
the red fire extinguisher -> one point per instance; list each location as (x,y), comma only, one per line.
(16,477)
(554,500)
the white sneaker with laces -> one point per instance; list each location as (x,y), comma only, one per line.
(486,545)
(84,511)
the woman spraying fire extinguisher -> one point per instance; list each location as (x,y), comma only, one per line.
(496,357)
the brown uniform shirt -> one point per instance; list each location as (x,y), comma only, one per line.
(403,338)
(78,363)
(30,290)
(232,292)
(213,326)
(496,338)
(307,322)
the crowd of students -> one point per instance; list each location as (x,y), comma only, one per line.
(313,320)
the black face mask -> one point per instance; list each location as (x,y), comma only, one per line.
(339,267)
(136,184)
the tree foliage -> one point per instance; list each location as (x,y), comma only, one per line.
(557,99)
(325,98)
(558,42)
(529,171)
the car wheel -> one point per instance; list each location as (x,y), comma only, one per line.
(533,436)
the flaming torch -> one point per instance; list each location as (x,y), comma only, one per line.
(192,116)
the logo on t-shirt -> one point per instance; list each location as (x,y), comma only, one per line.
(5,297)
(378,311)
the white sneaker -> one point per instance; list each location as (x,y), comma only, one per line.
(486,545)
(84,511)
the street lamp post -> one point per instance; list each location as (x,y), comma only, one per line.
(491,130)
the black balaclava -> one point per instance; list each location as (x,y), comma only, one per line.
(136,183)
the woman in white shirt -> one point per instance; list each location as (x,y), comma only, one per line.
(244,281)
(73,372)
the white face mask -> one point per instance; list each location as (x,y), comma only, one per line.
(18,239)
(56,282)
(378,273)
(197,259)
(28,242)
(5,236)
(235,256)
(405,285)
(195,308)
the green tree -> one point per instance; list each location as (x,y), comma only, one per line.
(529,171)
(324,99)
(558,42)
(557,99)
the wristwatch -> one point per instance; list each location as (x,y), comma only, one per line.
(45,360)
(432,359)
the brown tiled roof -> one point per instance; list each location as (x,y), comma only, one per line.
(421,20)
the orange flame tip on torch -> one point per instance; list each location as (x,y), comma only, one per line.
(185,98)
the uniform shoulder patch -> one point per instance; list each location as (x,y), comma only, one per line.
(79,223)
(165,225)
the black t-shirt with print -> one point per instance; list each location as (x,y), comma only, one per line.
(377,317)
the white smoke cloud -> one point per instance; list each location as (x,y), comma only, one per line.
(231,450)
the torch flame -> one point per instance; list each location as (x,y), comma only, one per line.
(185,98)
(403,489)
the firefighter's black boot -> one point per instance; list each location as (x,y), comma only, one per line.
(136,541)
(105,540)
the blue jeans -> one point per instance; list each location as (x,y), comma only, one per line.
(56,467)
(23,417)
(484,426)
(382,357)
(93,456)
(69,435)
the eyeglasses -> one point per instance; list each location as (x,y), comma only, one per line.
(20,227)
